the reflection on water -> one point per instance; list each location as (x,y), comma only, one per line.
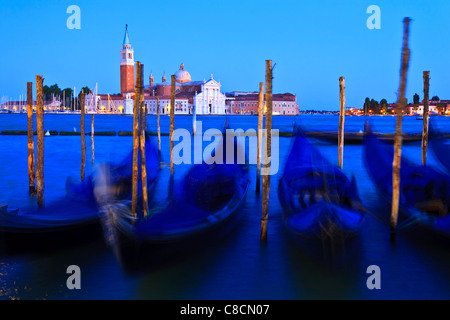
(237,268)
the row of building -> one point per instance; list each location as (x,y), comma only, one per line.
(202,97)
(436,107)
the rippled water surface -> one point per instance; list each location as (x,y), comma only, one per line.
(239,266)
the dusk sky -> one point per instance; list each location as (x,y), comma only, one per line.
(313,43)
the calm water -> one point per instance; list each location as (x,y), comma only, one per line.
(239,267)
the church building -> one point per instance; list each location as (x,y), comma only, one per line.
(202,96)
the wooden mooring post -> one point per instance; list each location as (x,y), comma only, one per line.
(341,122)
(135,173)
(398,130)
(143,128)
(426,87)
(157,123)
(83,138)
(40,141)
(194,120)
(258,147)
(172,120)
(31,170)
(267,153)
(92,140)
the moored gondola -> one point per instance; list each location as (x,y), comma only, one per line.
(440,145)
(61,220)
(202,209)
(322,209)
(424,191)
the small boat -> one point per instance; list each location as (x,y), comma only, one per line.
(204,208)
(424,191)
(357,138)
(419,118)
(80,207)
(440,144)
(321,206)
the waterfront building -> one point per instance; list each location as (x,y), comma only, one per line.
(246,103)
(204,96)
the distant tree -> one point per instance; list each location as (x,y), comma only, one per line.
(416,99)
(86,90)
(441,108)
(66,94)
(435,98)
(52,91)
(366,105)
(383,106)
(374,106)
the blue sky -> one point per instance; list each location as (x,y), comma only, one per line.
(313,43)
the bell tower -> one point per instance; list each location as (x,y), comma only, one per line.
(126,65)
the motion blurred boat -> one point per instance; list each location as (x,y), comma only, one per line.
(440,144)
(424,191)
(204,208)
(80,207)
(357,138)
(321,206)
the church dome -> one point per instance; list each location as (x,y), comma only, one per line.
(182,76)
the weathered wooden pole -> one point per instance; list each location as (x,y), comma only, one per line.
(426,87)
(194,120)
(92,141)
(172,121)
(398,128)
(40,142)
(143,129)
(83,138)
(258,147)
(31,171)
(341,122)
(157,123)
(268,153)
(134,180)
(145,112)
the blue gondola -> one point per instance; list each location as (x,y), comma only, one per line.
(80,206)
(203,208)
(322,208)
(440,146)
(424,191)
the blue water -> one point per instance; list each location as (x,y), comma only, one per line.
(239,267)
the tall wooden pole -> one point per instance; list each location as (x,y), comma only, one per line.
(31,172)
(398,128)
(341,121)
(426,87)
(83,139)
(145,112)
(92,141)
(40,142)
(172,121)
(143,131)
(258,148)
(194,120)
(157,123)
(134,180)
(267,155)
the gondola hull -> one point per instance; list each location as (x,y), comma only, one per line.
(318,224)
(424,192)
(179,230)
(78,211)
